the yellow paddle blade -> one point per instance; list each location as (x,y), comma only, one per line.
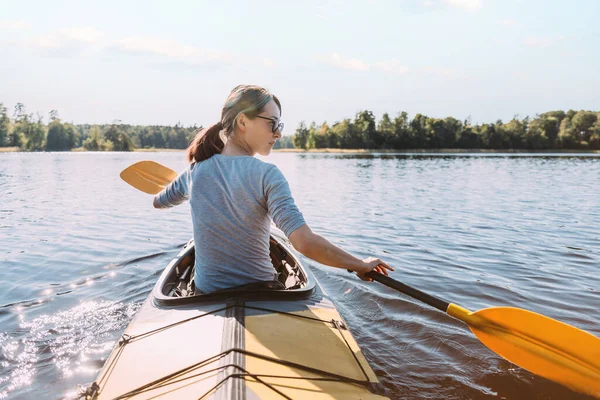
(148,176)
(541,345)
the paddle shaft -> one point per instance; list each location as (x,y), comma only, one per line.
(412,292)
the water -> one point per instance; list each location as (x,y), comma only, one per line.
(80,250)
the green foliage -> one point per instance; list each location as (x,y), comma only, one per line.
(4,125)
(550,130)
(301,136)
(285,142)
(119,139)
(583,122)
(27,133)
(61,137)
(96,141)
(386,131)
(146,137)
(567,138)
(365,132)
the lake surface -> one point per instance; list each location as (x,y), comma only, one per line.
(80,250)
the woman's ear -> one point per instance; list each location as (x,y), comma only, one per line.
(241,122)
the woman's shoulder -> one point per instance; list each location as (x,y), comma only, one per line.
(246,162)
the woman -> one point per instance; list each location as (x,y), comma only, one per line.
(233,196)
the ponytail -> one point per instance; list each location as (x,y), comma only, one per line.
(243,99)
(206,144)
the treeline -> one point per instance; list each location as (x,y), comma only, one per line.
(551,130)
(578,130)
(29,132)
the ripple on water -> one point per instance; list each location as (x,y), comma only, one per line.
(61,345)
(476,230)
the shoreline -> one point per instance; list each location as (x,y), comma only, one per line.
(346,151)
(440,151)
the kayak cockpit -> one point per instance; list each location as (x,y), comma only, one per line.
(176,285)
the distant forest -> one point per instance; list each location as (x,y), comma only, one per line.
(28,132)
(553,130)
(574,130)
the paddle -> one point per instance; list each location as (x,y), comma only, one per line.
(539,344)
(148,176)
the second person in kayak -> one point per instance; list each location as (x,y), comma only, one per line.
(233,197)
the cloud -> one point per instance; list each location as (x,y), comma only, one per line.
(173,51)
(170,51)
(392,67)
(542,41)
(83,34)
(345,63)
(446,73)
(71,39)
(75,40)
(16,25)
(511,23)
(468,5)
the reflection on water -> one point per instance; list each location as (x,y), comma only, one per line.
(80,251)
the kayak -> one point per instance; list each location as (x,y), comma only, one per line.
(276,340)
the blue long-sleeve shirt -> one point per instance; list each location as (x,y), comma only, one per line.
(232,200)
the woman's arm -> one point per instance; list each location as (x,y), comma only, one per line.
(321,250)
(176,192)
(287,217)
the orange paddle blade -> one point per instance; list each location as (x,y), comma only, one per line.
(148,176)
(541,345)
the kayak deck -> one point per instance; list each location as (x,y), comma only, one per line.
(241,344)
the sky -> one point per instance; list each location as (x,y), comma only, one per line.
(167,62)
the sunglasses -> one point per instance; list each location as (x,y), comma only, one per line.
(277,125)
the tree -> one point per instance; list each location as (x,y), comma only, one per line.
(285,142)
(566,134)
(19,112)
(468,138)
(347,135)
(16,138)
(300,138)
(595,137)
(4,126)
(515,133)
(536,135)
(402,132)
(95,142)
(442,133)
(53,115)
(120,140)
(318,137)
(418,128)
(549,124)
(582,123)
(365,125)
(27,134)
(61,136)
(451,131)
(557,115)
(491,138)
(34,133)
(386,131)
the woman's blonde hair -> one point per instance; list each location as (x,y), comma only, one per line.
(249,100)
